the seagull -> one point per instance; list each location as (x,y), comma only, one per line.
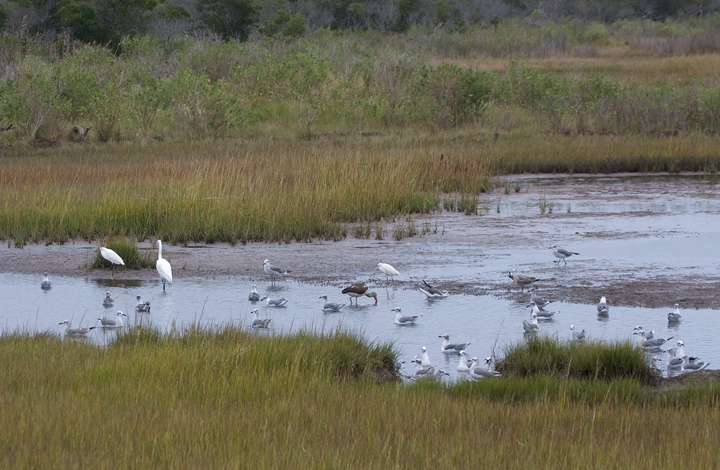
(404,320)
(108,301)
(674,361)
(478,372)
(113,257)
(689,364)
(532,326)
(421,371)
(463,366)
(273,271)
(521,280)
(259,322)
(674,317)
(433,293)
(331,307)
(388,271)
(75,332)
(163,267)
(577,336)
(356,290)
(561,254)
(537,300)
(142,306)
(542,314)
(651,343)
(45,284)
(109,323)
(274,303)
(425,359)
(602,307)
(254,296)
(448,347)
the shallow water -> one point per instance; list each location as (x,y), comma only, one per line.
(658,230)
(485,321)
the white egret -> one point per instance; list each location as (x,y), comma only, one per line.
(388,271)
(163,267)
(113,257)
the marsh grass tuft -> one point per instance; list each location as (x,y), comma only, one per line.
(580,360)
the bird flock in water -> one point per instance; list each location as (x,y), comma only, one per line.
(677,360)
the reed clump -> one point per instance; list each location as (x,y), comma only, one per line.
(576,359)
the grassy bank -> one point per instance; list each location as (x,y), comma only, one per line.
(231,399)
(266,189)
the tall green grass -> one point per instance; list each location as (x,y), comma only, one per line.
(578,360)
(228,398)
(235,191)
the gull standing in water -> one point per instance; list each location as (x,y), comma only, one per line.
(425,359)
(389,272)
(259,322)
(577,335)
(108,301)
(674,317)
(561,254)
(433,293)
(254,296)
(463,366)
(448,347)
(273,271)
(521,280)
(45,284)
(163,267)
(142,306)
(542,314)
(404,320)
(478,372)
(331,306)
(117,322)
(602,307)
(531,326)
(113,257)
(274,303)
(75,332)
(537,300)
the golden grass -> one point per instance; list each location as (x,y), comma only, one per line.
(239,401)
(255,189)
(280,190)
(618,62)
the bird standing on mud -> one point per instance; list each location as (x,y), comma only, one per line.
(561,254)
(113,257)
(273,271)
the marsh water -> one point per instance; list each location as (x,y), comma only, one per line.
(662,231)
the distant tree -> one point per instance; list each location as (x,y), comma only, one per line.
(83,21)
(230,19)
(285,23)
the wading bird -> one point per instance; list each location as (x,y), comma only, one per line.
(163,267)
(561,254)
(113,257)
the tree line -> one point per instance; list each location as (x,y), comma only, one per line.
(107,22)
